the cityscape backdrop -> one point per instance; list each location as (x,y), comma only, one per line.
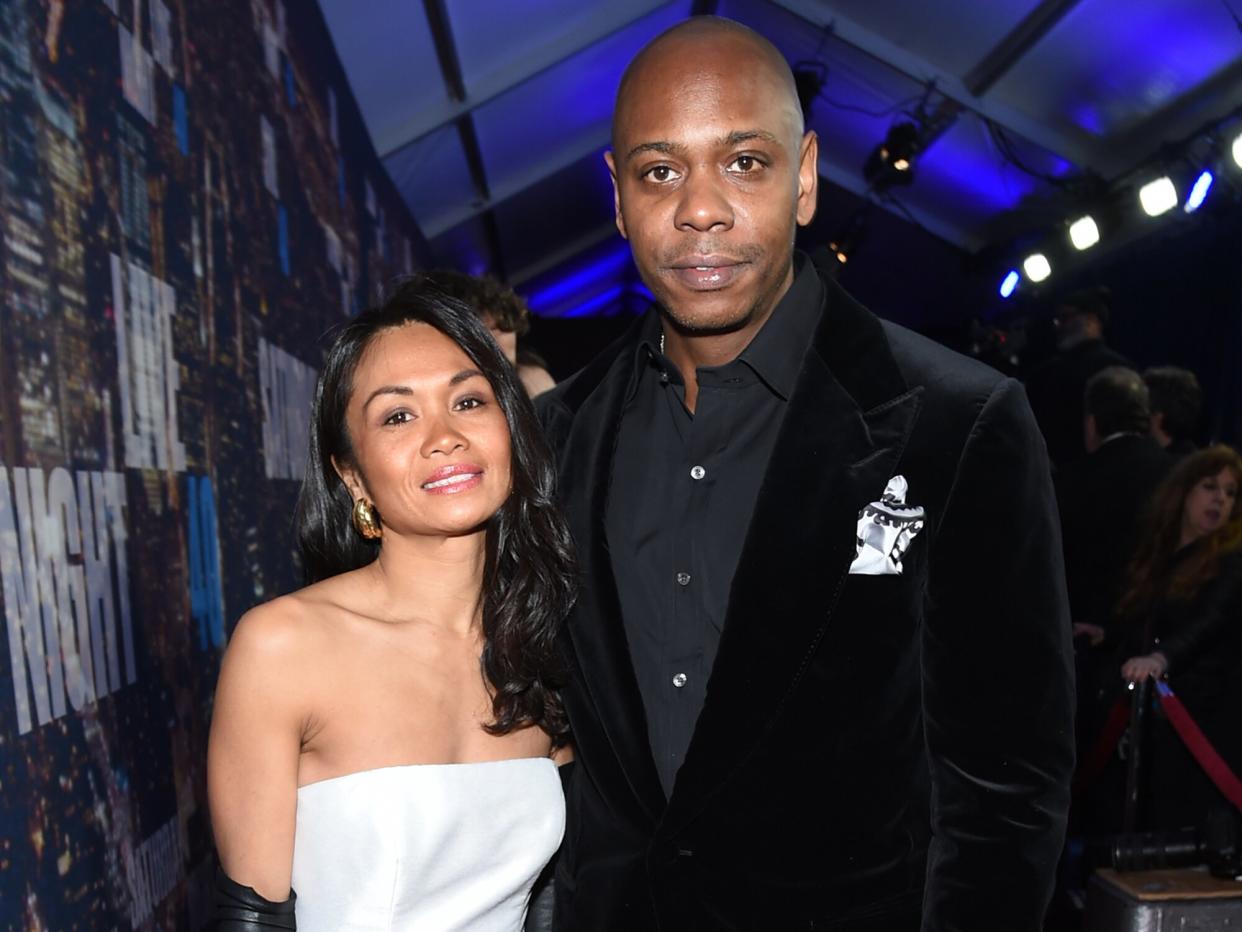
(188,201)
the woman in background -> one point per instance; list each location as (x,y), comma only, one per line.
(385,740)
(1182,611)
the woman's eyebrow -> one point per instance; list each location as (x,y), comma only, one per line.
(464,375)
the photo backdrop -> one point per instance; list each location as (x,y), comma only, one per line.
(188,200)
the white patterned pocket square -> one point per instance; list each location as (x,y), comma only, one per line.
(885,529)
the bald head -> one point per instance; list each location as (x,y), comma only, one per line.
(702,46)
(712,174)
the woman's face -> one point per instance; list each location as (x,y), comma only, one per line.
(431,441)
(1209,504)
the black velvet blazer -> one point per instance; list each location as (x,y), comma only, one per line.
(874,751)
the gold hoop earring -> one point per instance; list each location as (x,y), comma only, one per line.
(366,520)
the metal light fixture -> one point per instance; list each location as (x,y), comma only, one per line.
(1010,283)
(892,161)
(1199,191)
(1084,233)
(1158,197)
(1037,267)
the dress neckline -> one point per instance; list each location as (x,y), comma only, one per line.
(452,765)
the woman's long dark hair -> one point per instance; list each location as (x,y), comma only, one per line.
(1151,574)
(529,574)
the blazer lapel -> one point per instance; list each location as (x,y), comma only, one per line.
(595,630)
(832,456)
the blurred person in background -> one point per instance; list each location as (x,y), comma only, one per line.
(1181,618)
(1176,405)
(1102,496)
(1056,388)
(507,318)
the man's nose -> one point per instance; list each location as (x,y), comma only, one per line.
(705,204)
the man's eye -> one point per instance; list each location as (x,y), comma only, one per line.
(745,165)
(660,174)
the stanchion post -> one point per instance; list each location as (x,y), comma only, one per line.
(1140,702)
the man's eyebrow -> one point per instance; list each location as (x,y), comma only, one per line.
(664,148)
(748,135)
(726,142)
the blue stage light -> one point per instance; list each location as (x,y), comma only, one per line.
(1199,192)
(1010,284)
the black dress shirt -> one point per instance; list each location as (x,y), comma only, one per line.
(683,489)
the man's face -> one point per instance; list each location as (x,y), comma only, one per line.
(1074,325)
(712,177)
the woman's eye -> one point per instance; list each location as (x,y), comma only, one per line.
(398,417)
(469,404)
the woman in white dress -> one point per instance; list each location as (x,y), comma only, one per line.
(385,741)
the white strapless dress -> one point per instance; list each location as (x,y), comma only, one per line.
(428,846)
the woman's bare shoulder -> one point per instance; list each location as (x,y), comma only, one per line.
(292,625)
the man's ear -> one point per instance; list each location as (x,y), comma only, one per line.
(1090,433)
(808,178)
(616,192)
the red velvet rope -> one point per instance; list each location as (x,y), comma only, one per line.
(1095,762)
(1197,743)
(1192,736)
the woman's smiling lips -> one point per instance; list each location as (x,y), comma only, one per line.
(706,273)
(449,480)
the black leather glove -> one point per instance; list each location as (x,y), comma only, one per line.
(240,909)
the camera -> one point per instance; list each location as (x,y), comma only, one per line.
(1214,844)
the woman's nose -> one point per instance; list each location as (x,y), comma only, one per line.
(443,437)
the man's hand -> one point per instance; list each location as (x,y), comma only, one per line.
(1094,633)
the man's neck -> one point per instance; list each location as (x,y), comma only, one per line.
(689,351)
(1075,341)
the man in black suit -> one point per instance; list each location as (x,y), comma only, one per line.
(1176,406)
(819,667)
(1056,387)
(1102,496)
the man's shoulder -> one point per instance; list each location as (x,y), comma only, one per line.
(610,369)
(944,373)
(865,352)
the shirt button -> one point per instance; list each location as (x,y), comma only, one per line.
(683,579)
(697,472)
(679,680)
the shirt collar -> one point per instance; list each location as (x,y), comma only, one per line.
(774,355)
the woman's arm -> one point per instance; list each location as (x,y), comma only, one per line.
(1210,612)
(252,756)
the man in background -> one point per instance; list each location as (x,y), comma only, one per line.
(1056,388)
(1176,405)
(507,318)
(1102,498)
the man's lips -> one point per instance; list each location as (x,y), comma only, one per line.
(706,273)
(451,479)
